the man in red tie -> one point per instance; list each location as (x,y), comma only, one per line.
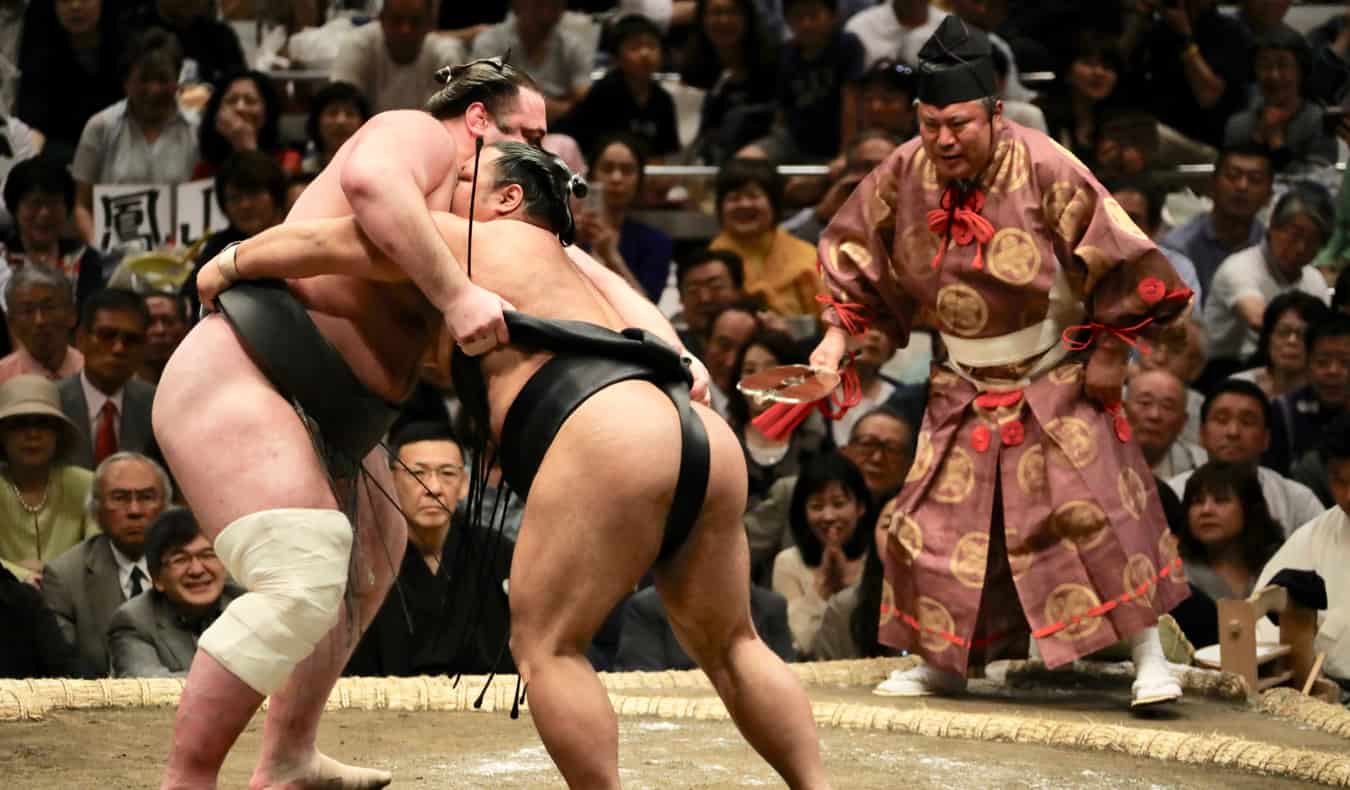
(110,406)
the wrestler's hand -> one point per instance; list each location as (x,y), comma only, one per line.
(699,391)
(474,318)
(210,282)
(1105,375)
(829,352)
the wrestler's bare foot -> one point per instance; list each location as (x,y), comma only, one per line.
(318,772)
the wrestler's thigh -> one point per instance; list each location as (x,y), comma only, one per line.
(594,517)
(705,587)
(381,529)
(235,446)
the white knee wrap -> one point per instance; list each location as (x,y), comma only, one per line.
(294,564)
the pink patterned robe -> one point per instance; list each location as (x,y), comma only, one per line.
(1083,557)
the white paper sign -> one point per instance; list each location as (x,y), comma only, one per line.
(132,216)
(197,213)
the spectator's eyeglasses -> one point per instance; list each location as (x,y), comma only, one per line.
(866,447)
(182,560)
(107,336)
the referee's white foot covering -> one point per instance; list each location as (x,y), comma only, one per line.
(294,564)
(1153,681)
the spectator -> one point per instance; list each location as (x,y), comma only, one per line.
(1259,17)
(831,518)
(168,326)
(1330,75)
(31,645)
(41,195)
(1015,110)
(155,635)
(628,100)
(143,139)
(41,316)
(1128,144)
(1246,282)
(886,99)
(243,114)
(558,59)
(874,350)
(731,58)
(779,268)
(1282,348)
(637,251)
(109,408)
(816,82)
(864,152)
(1306,413)
(1229,536)
(895,29)
(1183,354)
(42,500)
(467,20)
(1283,119)
(452,576)
(335,113)
(1334,258)
(729,329)
(707,281)
(1191,62)
(251,193)
(1242,183)
(86,584)
(1156,406)
(1235,428)
(647,642)
(1073,107)
(18,141)
(848,627)
(393,64)
(210,47)
(1323,546)
(768,459)
(71,51)
(1143,203)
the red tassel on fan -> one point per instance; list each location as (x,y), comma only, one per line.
(781,419)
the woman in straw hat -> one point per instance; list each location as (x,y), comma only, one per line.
(42,499)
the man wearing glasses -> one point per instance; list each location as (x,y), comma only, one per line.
(86,584)
(451,579)
(110,407)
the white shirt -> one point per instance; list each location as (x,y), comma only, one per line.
(1290,502)
(113,150)
(364,61)
(842,428)
(883,36)
(95,398)
(124,567)
(1244,274)
(1182,456)
(1322,545)
(564,64)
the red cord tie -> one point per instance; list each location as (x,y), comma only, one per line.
(781,419)
(1129,334)
(961,222)
(854,316)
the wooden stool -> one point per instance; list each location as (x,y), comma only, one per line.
(1264,665)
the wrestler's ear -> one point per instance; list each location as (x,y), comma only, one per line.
(509,198)
(477,119)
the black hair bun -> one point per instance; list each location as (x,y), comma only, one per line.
(577,186)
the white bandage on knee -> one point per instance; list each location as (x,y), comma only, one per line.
(294,565)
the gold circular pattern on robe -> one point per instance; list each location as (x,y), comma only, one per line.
(1067,374)
(1139,572)
(944,379)
(832,259)
(1098,261)
(1019,560)
(1013,256)
(1056,199)
(934,620)
(1080,523)
(927,170)
(962,310)
(858,253)
(919,245)
(1075,217)
(1122,220)
(969,559)
(1031,471)
(1074,441)
(908,534)
(879,206)
(1167,555)
(955,478)
(887,603)
(1133,492)
(1014,166)
(1067,602)
(923,458)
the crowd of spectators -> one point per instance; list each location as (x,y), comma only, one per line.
(1217,128)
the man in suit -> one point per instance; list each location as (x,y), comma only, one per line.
(647,642)
(155,634)
(85,585)
(108,405)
